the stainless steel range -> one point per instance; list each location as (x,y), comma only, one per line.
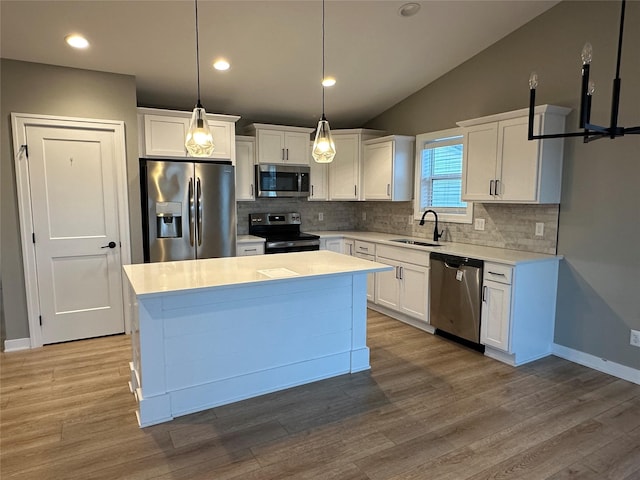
(282,232)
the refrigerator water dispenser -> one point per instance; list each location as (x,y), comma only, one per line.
(169,219)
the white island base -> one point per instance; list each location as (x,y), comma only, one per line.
(211,332)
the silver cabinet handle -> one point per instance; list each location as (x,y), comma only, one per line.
(191,212)
(491,185)
(250,249)
(484,293)
(497,190)
(401,273)
(388,189)
(287,154)
(496,273)
(355,190)
(252,194)
(283,154)
(312,190)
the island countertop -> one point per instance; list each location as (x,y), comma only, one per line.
(149,279)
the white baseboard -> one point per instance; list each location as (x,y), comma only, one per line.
(597,363)
(17,344)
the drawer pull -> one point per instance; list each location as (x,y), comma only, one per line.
(496,273)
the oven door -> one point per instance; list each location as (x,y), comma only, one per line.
(282,180)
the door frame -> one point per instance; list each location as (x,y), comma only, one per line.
(19,124)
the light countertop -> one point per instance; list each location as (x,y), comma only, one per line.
(163,277)
(488,254)
(249,239)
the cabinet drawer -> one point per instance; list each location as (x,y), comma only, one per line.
(498,273)
(247,249)
(408,255)
(366,248)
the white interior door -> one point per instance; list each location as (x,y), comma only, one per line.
(75,222)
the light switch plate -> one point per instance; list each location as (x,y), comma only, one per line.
(635,338)
(539,229)
(479,224)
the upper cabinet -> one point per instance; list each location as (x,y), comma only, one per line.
(245,172)
(346,170)
(502,165)
(281,144)
(162,134)
(388,168)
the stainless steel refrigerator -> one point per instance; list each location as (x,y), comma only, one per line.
(188,209)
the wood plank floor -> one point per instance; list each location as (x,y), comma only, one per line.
(428,409)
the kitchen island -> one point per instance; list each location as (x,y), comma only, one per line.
(210,332)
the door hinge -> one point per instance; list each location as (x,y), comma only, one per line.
(40,317)
(33,237)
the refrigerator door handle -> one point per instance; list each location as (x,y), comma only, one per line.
(199,209)
(191,211)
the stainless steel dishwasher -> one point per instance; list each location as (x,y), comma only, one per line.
(456,297)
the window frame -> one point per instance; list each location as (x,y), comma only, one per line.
(443,215)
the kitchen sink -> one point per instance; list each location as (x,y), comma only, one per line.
(415,242)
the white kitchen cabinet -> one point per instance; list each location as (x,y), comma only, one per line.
(502,165)
(348,246)
(404,289)
(496,308)
(281,144)
(332,244)
(518,310)
(319,180)
(388,168)
(245,172)
(345,171)
(250,248)
(163,132)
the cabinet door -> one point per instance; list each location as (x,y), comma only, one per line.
(344,171)
(414,291)
(496,315)
(517,161)
(479,169)
(164,136)
(378,171)
(387,286)
(348,247)
(297,150)
(334,245)
(223,134)
(245,172)
(318,178)
(270,146)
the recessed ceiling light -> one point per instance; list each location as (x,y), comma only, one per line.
(76,40)
(221,65)
(409,9)
(328,82)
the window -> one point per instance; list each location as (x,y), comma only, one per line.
(439,157)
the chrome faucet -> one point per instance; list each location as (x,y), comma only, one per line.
(436,235)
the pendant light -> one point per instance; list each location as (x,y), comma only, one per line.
(199,141)
(590,131)
(323,147)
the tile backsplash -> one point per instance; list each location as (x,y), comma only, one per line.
(506,226)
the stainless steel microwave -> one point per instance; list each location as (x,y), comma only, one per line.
(275,180)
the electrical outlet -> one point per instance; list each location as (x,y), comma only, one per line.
(635,338)
(321,216)
(479,224)
(364,215)
(410,220)
(539,229)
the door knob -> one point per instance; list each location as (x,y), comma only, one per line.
(109,245)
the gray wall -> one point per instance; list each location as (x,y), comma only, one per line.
(599,225)
(49,90)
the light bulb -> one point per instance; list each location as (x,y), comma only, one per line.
(533,81)
(592,88)
(221,65)
(323,147)
(76,41)
(199,141)
(328,82)
(587,54)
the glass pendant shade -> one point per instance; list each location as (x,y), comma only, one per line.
(199,140)
(323,147)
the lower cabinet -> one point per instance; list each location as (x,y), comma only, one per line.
(496,315)
(332,244)
(518,310)
(404,289)
(246,249)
